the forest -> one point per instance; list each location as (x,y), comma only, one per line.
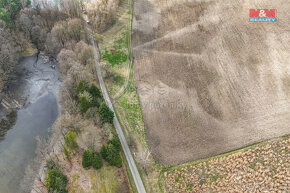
(49,25)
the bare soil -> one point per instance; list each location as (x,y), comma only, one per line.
(210,81)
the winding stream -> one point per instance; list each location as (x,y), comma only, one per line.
(39,85)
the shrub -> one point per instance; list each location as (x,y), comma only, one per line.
(56,181)
(96,160)
(104,151)
(82,86)
(107,116)
(96,94)
(95,91)
(111,154)
(86,56)
(70,140)
(109,72)
(95,102)
(84,104)
(86,161)
(117,161)
(116,143)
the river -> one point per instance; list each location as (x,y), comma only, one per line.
(38,84)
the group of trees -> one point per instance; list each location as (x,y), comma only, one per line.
(8,47)
(106,115)
(76,64)
(8,56)
(70,31)
(91,158)
(9,9)
(111,152)
(88,96)
(51,30)
(37,24)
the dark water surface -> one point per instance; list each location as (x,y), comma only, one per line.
(18,148)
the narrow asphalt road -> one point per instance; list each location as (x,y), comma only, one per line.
(134,171)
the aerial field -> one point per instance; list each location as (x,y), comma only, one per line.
(210,81)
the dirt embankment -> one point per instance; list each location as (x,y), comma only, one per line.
(209,81)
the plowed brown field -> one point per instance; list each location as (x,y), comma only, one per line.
(208,80)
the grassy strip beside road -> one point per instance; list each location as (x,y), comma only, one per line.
(127,104)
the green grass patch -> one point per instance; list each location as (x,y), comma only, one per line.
(130,110)
(117,53)
(123,42)
(120,80)
(115,57)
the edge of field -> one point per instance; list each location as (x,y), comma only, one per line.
(129,112)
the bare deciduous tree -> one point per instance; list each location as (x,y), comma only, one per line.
(8,57)
(102,13)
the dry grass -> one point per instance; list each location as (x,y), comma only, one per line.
(108,179)
(263,168)
(208,80)
(29,50)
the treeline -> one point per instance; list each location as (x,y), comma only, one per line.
(9,9)
(9,44)
(49,28)
(8,56)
